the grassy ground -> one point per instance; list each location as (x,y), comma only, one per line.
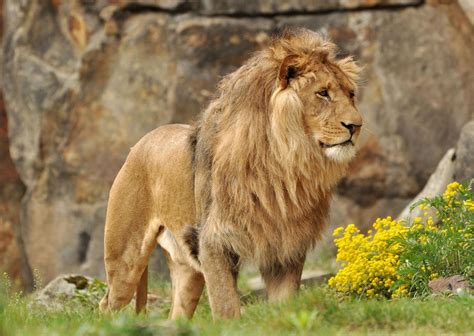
(315,310)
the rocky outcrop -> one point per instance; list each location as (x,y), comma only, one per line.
(291,7)
(436,185)
(456,165)
(11,191)
(83,81)
(464,166)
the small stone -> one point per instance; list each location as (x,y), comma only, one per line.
(454,284)
(60,291)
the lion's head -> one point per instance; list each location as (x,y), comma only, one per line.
(316,92)
(283,126)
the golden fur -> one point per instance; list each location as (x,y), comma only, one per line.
(251,181)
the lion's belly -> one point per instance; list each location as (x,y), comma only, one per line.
(167,159)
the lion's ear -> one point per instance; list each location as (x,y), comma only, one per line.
(287,71)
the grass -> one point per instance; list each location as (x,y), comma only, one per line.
(315,310)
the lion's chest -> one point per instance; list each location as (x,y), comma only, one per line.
(273,241)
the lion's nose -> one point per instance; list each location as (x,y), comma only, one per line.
(351,127)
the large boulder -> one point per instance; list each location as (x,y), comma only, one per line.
(83,81)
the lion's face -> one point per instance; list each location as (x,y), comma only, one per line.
(330,113)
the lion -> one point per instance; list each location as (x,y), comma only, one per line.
(251,181)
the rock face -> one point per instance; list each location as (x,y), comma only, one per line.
(295,6)
(436,185)
(11,191)
(464,166)
(456,165)
(83,81)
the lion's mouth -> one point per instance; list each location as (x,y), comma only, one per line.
(345,143)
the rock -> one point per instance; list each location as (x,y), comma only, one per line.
(60,291)
(468,7)
(11,191)
(171,5)
(198,70)
(61,100)
(464,164)
(219,7)
(454,284)
(442,176)
(456,165)
(77,290)
(309,277)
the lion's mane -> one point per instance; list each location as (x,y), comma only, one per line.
(262,186)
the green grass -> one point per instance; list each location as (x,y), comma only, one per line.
(315,310)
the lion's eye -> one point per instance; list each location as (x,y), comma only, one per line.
(352,94)
(323,93)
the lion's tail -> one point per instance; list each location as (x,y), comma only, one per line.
(142,292)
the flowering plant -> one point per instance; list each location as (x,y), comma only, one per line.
(399,258)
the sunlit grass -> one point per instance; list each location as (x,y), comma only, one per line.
(315,310)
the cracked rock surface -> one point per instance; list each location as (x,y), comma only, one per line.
(84,80)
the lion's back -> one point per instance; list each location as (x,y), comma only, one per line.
(159,167)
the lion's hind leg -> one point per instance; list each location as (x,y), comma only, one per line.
(187,283)
(141,296)
(130,237)
(127,271)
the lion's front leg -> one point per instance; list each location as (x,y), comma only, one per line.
(220,269)
(282,281)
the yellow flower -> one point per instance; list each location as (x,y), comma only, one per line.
(337,231)
(423,206)
(400,291)
(422,239)
(369,262)
(469,204)
(451,190)
(430,222)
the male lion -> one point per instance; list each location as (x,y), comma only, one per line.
(251,181)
